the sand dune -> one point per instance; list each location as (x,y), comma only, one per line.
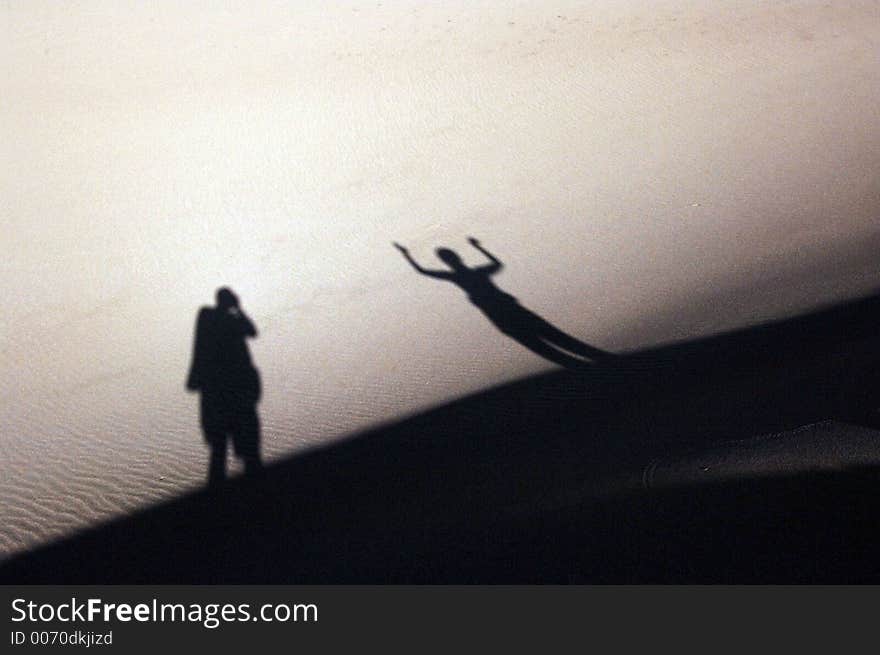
(646,174)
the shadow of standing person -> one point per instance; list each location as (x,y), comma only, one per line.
(505,312)
(229,384)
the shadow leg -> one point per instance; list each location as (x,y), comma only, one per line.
(556,337)
(247,442)
(217,464)
(548,352)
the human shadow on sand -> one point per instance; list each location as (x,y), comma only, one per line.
(505,312)
(222,371)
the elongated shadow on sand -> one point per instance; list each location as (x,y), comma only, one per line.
(505,312)
(222,371)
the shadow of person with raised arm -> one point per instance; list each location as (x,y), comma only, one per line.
(229,384)
(505,312)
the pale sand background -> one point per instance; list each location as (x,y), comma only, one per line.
(647,174)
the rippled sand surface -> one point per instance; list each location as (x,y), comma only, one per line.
(646,173)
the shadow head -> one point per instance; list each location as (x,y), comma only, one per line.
(449,257)
(226,299)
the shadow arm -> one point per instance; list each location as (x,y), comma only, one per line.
(442,275)
(247,325)
(495,264)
